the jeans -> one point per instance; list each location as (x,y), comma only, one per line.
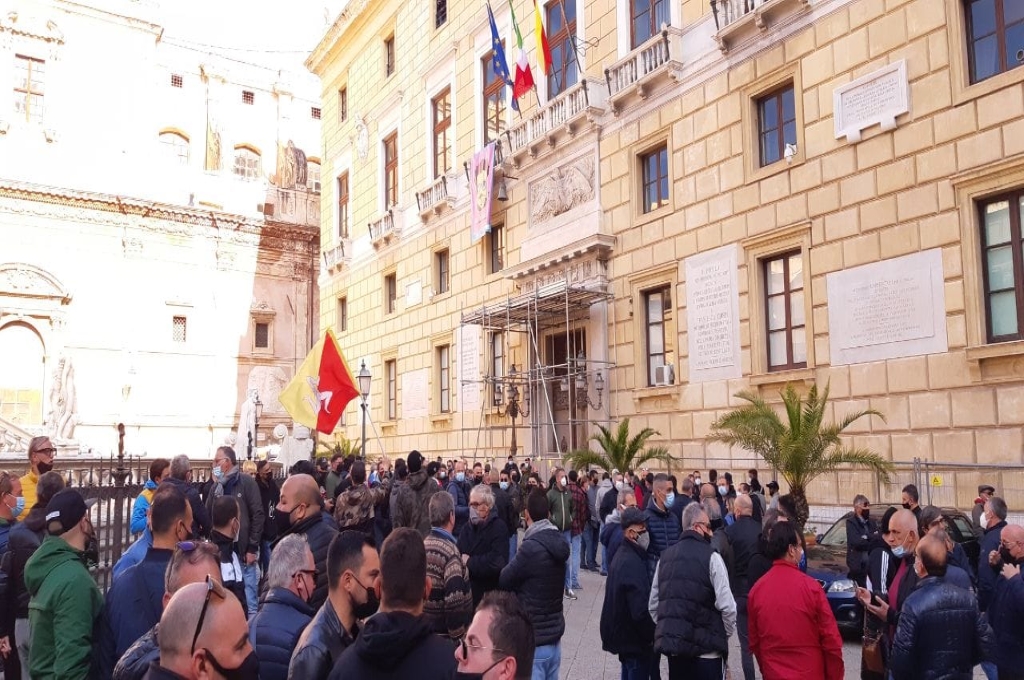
(637,667)
(989,669)
(23,634)
(546,661)
(574,560)
(567,536)
(695,668)
(264,556)
(746,658)
(513,544)
(251,577)
(590,537)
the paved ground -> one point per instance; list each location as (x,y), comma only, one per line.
(583,659)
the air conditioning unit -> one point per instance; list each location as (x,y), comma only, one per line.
(664,375)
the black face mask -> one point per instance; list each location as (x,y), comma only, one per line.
(906,506)
(368,608)
(866,514)
(283,522)
(1006,556)
(249,669)
(44,467)
(91,554)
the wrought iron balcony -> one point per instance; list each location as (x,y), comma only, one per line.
(337,257)
(563,116)
(737,21)
(644,67)
(434,198)
(384,229)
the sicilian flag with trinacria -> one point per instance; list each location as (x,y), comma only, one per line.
(524,77)
(322,388)
(498,60)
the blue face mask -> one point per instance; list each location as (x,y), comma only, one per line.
(19,506)
(503,485)
(460,476)
(217,472)
(670,499)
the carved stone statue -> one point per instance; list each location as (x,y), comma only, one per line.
(213,147)
(362,138)
(562,190)
(63,401)
(291,166)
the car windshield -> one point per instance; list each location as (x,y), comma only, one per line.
(836,536)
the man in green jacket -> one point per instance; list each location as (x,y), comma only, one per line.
(560,500)
(65,600)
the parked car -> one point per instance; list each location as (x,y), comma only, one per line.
(826,562)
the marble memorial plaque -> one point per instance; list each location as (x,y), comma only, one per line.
(470,385)
(413,294)
(712,315)
(889,309)
(877,98)
(414,393)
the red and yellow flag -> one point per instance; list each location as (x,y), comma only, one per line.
(322,388)
(543,50)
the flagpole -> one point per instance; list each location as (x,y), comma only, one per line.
(572,38)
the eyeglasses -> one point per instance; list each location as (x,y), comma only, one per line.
(466,646)
(312,573)
(212,588)
(1009,545)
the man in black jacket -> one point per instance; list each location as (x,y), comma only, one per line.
(903,539)
(744,538)
(397,642)
(940,631)
(300,508)
(627,629)
(180,471)
(861,532)
(483,543)
(536,575)
(995,519)
(353,572)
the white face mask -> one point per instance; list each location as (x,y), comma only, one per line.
(563,481)
(619,486)
(983,520)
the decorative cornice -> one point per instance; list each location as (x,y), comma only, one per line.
(346,17)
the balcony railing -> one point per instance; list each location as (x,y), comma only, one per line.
(739,20)
(562,115)
(384,229)
(337,257)
(434,198)
(642,66)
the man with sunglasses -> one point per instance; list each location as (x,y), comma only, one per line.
(40,460)
(204,636)
(499,642)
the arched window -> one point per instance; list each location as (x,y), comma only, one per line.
(247,163)
(313,175)
(176,146)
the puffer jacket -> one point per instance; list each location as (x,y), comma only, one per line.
(941,635)
(320,646)
(537,575)
(487,547)
(354,509)
(664,529)
(275,630)
(1006,614)
(319,535)
(411,500)
(134,663)
(460,494)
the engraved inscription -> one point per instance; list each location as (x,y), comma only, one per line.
(870,101)
(890,309)
(710,315)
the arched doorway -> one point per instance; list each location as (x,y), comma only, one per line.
(22,372)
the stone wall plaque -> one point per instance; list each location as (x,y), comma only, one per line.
(469,376)
(413,293)
(712,315)
(877,98)
(889,309)
(414,393)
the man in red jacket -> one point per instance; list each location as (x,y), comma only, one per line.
(808,646)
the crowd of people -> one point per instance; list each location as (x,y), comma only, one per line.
(438,569)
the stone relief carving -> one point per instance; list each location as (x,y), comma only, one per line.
(63,413)
(362,139)
(561,191)
(28,281)
(268,382)
(575,272)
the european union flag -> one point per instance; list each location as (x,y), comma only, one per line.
(498,56)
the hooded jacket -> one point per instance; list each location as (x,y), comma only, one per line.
(354,509)
(275,630)
(141,507)
(602,490)
(64,606)
(487,546)
(397,645)
(537,575)
(611,535)
(409,502)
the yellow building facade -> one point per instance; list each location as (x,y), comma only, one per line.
(720,197)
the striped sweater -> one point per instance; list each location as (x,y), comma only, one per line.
(450,607)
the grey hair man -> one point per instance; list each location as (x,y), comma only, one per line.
(483,543)
(692,606)
(449,608)
(181,478)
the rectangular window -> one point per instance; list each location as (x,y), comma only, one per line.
(389,55)
(444,391)
(495,249)
(343,205)
(248,97)
(342,323)
(647,19)
(659,331)
(177,80)
(440,13)
(29,78)
(494,101)
(391,170)
(441,107)
(261,336)
(1003,265)
(784,312)
(995,36)
(776,124)
(391,374)
(390,293)
(179,328)
(343,104)
(442,273)
(497,367)
(314,112)
(654,172)
(561,29)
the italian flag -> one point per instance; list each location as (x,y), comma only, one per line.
(322,388)
(524,77)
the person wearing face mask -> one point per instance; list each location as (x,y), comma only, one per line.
(397,642)
(696,485)
(450,605)
(611,535)
(993,520)
(298,512)
(64,598)
(903,538)
(353,575)
(409,501)
(12,506)
(662,525)
(284,608)
(204,635)
(483,542)
(478,474)
(580,518)
(562,513)
(744,539)
(499,642)
(911,496)
(1006,611)
(985,492)
(692,606)
(506,505)
(940,633)
(861,532)
(807,644)
(626,626)
(41,453)
(225,536)
(458,487)
(134,601)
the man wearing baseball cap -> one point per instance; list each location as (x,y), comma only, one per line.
(65,600)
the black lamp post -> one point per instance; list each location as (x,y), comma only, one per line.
(257,411)
(364,378)
(513,408)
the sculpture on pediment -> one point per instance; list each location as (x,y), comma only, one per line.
(291,166)
(24,280)
(63,401)
(567,187)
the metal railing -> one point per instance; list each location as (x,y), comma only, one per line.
(560,111)
(639,64)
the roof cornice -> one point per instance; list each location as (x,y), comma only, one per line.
(318,56)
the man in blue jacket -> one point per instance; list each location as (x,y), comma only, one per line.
(458,487)
(627,628)
(995,519)
(1006,611)
(662,524)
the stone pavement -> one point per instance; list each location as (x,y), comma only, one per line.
(583,658)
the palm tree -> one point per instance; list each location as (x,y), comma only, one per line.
(619,451)
(803,447)
(341,446)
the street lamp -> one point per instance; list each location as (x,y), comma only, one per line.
(513,409)
(364,389)
(582,391)
(255,434)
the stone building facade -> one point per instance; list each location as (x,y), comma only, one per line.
(159,229)
(800,191)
